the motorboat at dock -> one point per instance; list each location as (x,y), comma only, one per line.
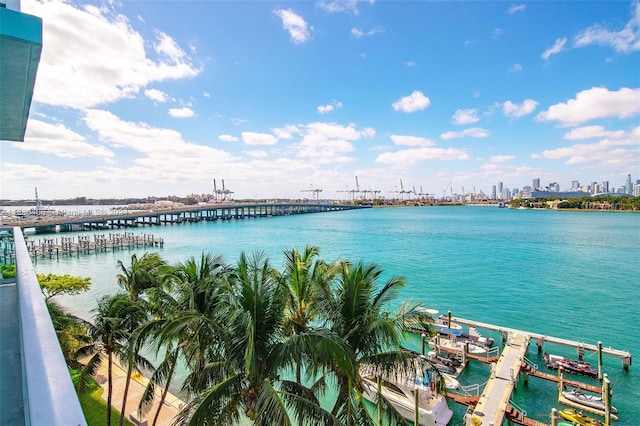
(578,418)
(573,366)
(577,396)
(399,390)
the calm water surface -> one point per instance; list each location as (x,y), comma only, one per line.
(574,275)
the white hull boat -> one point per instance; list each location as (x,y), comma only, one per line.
(400,392)
(593,401)
(457,346)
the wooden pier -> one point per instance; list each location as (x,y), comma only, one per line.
(70,246)
(540,339)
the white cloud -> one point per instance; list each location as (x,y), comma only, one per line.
(238,121)
(410,64)
(228,138)
(410,157)
(498,32)
(323,109)
(338,6)
(465,116)
(474,132)
(411,140)
(59,140)
(592,132)
(501,158)
(416,101)
(156,95)
(625,40)
(621,151)
(206,95)
(557,47)
(509,109)
(590,104)
(257,153)
(181,112)
(325,143)
(286,132)
(252,138)
(515,68)
(163,154)
(296,26)
(358,33)
(516,8)
(166,46)
(80,71)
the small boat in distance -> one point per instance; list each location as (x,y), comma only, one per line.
(573,366)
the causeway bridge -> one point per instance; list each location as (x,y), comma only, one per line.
(170,216)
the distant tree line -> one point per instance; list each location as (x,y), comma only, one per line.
(598,202)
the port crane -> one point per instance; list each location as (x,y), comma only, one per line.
(220,194)
(444,191)
(314,193)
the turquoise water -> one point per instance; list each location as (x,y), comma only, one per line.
(574,275)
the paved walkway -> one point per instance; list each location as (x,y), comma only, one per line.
(138,383)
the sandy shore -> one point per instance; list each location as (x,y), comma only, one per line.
(172,404)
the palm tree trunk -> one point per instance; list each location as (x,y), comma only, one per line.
(164,394)
(110,389)
(126,392)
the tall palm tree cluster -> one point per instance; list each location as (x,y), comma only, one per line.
(259,345)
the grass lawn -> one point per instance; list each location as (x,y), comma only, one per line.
(94,406)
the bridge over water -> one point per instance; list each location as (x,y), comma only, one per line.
(186,214)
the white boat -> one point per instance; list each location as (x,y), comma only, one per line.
(457,346)
(400,392)
(440,323)
(593,401)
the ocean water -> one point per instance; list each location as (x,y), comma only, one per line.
(574,275)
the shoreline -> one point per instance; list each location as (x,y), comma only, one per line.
(171,405)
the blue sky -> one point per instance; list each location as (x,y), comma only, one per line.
(141,98)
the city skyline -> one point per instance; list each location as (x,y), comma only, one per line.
(160,98)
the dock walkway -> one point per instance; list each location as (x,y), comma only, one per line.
(494,400)
(541,338)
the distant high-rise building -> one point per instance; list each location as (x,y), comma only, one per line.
(536,184)
(493,192)
(575,185)
(554,186)
(594,187)
(629,185)
(500,186)
(605,186)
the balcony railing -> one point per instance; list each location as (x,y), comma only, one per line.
(48,393)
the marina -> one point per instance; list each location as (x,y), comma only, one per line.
(494,405)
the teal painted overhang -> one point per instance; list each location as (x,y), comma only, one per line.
(20,49)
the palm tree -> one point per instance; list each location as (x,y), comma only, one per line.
(143,274)
(245,375)
(302,274)
(355,306)
(182,326)
(113,320)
